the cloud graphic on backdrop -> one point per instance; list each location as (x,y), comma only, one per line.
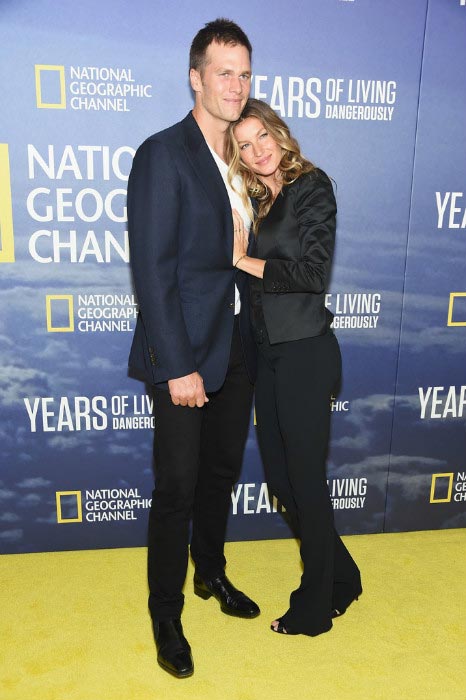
(17,382)
(103,364)
(11,535)
(9,518)
(361,418)
(364,414)
(34,483)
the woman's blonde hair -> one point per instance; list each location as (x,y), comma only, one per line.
(292,165)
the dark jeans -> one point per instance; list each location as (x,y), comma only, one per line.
(198,455)
(294,385)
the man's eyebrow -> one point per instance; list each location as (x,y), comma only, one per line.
(230,70)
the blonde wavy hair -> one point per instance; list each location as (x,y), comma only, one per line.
(292,164)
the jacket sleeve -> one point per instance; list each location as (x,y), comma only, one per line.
(154,191)
(315,210)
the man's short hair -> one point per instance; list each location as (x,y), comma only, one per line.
(222,31)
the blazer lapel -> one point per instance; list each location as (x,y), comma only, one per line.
(206,169)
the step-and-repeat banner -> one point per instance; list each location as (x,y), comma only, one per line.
(427,481)
(374,92)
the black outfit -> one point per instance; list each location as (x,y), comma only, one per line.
(198,455)
(181,237)
(299,366)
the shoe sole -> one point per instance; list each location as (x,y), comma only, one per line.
(172,672)
(246,616)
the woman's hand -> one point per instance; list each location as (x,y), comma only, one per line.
(241,260)
(240,240)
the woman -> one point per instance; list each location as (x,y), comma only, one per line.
(299,357)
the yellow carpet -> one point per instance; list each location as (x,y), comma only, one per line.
(75,627)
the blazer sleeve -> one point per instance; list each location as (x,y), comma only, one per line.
(154,191)
(315,210)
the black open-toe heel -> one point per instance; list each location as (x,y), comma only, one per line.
(338,612)
(281,627)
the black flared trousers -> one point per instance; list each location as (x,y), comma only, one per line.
(198,454)
(293,393)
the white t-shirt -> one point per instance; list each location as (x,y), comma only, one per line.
(236,203)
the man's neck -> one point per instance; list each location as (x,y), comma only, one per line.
(213,130)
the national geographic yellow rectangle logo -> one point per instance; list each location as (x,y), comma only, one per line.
(73,499)
(460,309)
(49,85)
(60,305)
(7,247)
(437,491)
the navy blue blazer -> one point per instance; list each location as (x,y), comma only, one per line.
(181,244)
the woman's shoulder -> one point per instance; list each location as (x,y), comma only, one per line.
(314,183)
(312,189)
(314,178)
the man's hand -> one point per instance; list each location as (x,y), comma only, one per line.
(188,391)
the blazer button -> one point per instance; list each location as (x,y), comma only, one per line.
(231,305)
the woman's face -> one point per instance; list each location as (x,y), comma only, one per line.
(259,151)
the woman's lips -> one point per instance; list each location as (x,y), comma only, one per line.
(264,160)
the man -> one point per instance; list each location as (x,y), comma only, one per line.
(190,341)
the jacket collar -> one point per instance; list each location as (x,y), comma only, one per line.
(206,169)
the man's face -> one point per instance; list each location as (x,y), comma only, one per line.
(223,87)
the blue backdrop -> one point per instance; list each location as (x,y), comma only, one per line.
(375,94)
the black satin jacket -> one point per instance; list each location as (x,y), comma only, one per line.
(296,239)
